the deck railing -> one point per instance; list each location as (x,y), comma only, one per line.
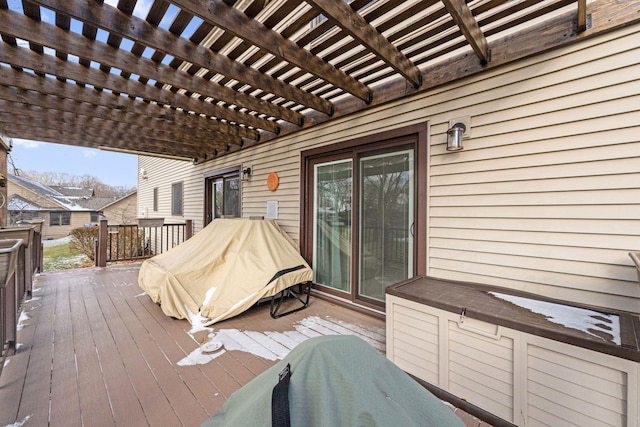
(20,259)
(133,242)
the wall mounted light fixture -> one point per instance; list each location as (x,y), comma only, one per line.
(246,173)
(454,137)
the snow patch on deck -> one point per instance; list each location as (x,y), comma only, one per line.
(273,345)
(22,320)
(19,423)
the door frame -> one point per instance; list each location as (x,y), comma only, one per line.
(208,179)
(416,135)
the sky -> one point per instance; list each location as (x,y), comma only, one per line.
(115,169)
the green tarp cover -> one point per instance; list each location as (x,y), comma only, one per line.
(337,381)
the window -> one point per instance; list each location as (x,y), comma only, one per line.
(95,217)
(363,219)
(59,218)
(17,216)
(155,199)
(176,198)
(222,194)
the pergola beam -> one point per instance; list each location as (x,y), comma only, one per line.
(461,14)
(51,133)
(358,28)
(53,66)
(234,21)
(48,35)
(145,110)
(41,108)
(134,28)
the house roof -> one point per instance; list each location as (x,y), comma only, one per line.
(50,193)
(74,192)
(114,201)
(198,79)
(95,203)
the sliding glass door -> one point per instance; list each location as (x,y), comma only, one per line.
(366,198)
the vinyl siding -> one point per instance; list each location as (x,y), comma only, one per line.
(544,197)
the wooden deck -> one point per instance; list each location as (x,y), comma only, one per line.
(95,351)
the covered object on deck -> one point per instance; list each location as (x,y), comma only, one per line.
(334,381)
(223,270)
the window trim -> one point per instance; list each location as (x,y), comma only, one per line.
(155,199)
(174,210)
(59,215)
(208,178)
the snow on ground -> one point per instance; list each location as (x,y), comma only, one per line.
(56,242)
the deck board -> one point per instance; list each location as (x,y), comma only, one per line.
(65,400)
(94,400)
(35,384)
(96,351)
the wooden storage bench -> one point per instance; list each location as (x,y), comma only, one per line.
(526,359)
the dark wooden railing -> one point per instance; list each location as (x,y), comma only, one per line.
(20,259)
(134,242)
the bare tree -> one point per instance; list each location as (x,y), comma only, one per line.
(16,171)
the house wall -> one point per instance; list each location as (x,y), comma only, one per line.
(544,197)
(162,173)
(78,219)
(125,211)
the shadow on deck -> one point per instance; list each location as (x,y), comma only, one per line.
(94,350)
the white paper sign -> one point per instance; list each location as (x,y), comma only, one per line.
(272,209)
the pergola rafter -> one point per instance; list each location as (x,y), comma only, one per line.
(198,79)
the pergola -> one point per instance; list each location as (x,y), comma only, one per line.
(197,79)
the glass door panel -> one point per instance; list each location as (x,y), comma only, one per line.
(332,224)
(231,195)
(226,197)
(218,197)
(386,222)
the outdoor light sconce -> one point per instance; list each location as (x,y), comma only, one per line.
(246,173)
(454,137)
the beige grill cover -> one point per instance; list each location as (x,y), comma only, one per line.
(223,270)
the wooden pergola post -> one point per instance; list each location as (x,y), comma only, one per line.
(101,253)
(5,147)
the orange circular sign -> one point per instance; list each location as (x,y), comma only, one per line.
(272,181)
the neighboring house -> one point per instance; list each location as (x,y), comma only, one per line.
(61,208)
(543,198)
(122,210)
